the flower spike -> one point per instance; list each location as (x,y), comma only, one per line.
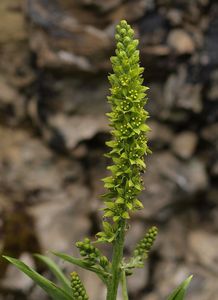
(144,245)
(127,118)
(79,292)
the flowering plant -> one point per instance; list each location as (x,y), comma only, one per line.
(128,148)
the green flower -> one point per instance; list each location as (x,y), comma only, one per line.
(144,245)
(91,254)
(79,292)
(127,119)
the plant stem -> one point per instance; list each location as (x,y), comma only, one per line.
(116,260)
(124,287)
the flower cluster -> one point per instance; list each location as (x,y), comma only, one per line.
(91,254)
(79,292)
(144,245)
(127,118)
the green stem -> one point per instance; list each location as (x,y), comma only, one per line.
(116,261)
(124,286)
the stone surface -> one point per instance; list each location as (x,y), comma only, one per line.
(173,180)
(200,252)
(138,281)
(185,144)
(181,41)
(53,87)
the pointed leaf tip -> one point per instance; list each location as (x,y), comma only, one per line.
(179,292)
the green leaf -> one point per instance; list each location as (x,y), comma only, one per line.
(108,213)
(120,200)
(137,203)
(110,204)
(179,292)
(56,271)
(49,287)
(125,215)
(83,264)
(144,127)
(140,162)
(116,218)
(107,227)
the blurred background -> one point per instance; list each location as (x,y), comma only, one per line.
(54,61)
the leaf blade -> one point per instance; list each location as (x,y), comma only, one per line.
(56,271)
(49,287)
(82,264)
(179,292)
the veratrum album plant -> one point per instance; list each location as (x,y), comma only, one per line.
(127,150)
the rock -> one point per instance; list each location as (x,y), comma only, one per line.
(37,293)
(102,6)
(53,87)
(11,103)
(214,168)
(74,44)
(129,11)
(173,180)
(203,285)
(214,214)
(210,132)
(20,151)
(200,252)
(171,243)
(59,212)
(61,59)
(160,135)
(138,280)
(160,50)
(190,98)
(185,144)
(135,233)
(169,275)
(79,128)
(175,16)
(12,27)
(213,90)
(90,280)
(178,94)
(181,42)
(150,296)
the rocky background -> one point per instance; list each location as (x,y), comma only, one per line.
(54,61)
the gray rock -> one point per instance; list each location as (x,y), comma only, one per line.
(169,275)
(160,135)
(175,16)
(203,249)
(11,100)
(129,11)
(213,90)
(173,180)
(171,243)
(138,280)
(78,128)
(54,218)
(135,233)
(185,144)
(179,94)
(103,6)
(181,41)
(210,132)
